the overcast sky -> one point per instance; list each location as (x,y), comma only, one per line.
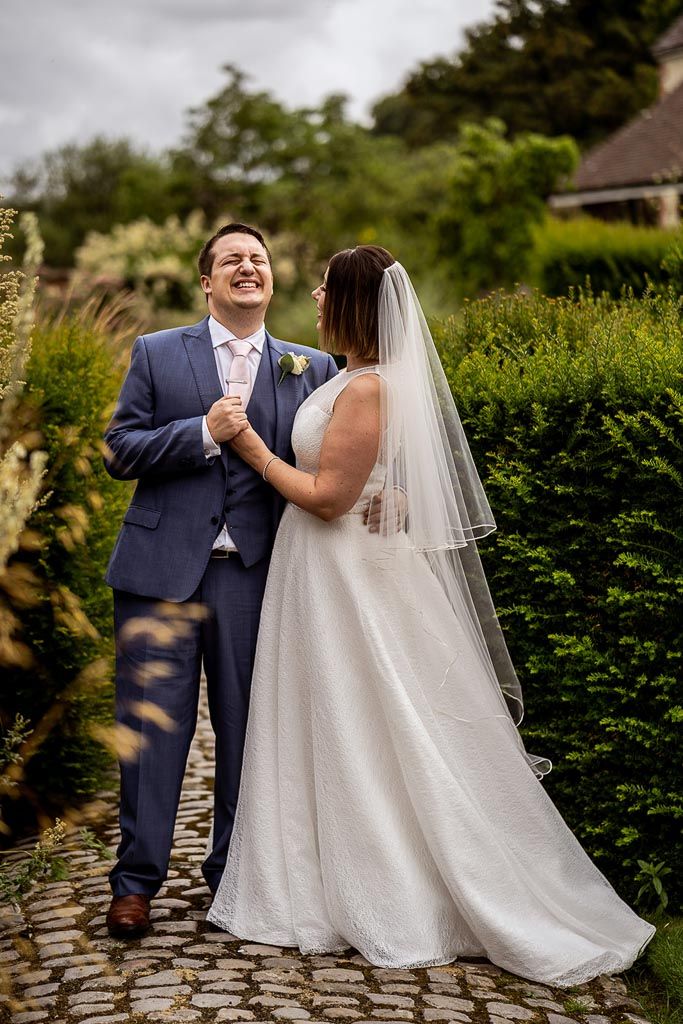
(75,68)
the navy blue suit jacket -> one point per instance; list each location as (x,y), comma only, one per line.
(182,498)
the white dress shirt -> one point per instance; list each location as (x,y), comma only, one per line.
(220,336)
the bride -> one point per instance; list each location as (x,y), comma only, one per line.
(387,802)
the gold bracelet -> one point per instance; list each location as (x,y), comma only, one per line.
(275,458)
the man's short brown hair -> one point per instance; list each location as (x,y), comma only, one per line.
(206,256)
(349,323)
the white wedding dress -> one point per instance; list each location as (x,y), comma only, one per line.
(375,812)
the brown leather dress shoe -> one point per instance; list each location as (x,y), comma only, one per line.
(128,916)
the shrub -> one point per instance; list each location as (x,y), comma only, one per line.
(495,198)
(158,261)
(612,256)
(574,411)
(157,265)
(64,686)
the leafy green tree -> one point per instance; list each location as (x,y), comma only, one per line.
(545,66)
(77,189)
(497,194)
(309,169)
(311,175)
(238,143)
(312,178)
(354,188)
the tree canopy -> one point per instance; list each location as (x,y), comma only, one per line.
(554,67)
(497,194)
(312,174)
(81,188)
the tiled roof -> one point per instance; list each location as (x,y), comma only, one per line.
(672,39)
(647,150)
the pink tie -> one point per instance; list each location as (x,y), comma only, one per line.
(240,369)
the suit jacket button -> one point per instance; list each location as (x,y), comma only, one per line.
(215,520)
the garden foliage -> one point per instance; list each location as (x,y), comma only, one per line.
(496,197)
(62,687)
(156,261)
(21,474)
(312,174)
(574,411)
(612,256)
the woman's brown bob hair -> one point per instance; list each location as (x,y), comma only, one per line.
(349,321)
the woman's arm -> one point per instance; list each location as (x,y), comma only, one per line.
(349,451)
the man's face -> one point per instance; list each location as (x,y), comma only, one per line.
(241,278)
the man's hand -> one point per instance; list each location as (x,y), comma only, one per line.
(374,512)
(226,418)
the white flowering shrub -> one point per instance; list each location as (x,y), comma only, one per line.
(59,513)
(157,261)
(21,470)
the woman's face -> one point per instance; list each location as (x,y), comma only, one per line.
(318,296)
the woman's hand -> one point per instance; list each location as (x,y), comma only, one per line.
(250,447)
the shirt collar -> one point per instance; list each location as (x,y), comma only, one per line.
(221,334)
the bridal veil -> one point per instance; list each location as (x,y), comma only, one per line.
(426,455)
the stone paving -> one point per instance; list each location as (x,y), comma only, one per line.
(58,964)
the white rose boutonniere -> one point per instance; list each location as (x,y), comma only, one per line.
(291,363)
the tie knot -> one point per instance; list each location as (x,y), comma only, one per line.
(240,348)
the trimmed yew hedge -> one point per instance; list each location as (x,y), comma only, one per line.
(612,256)
(574,411)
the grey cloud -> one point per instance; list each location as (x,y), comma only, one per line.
(239,10)
(84,67)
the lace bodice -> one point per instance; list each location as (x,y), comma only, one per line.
(311,422)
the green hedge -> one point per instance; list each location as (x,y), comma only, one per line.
(611,255)
(574,411)
(73,378)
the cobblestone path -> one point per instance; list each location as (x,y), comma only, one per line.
(59,965)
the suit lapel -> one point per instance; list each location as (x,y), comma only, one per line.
(288,397)
(262,405)
(199,348)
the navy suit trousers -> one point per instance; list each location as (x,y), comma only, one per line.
(160,650)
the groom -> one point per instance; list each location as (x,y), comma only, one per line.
(190,563)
